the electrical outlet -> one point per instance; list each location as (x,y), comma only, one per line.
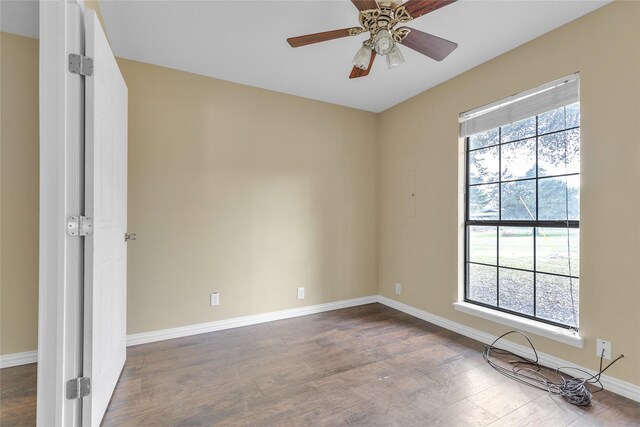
(215,299)
(300,293)
(603,345)
(398,288)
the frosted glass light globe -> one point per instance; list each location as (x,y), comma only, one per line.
(383,42)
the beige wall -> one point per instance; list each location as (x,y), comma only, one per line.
(232,189)
(247,192)
(19,194)
(421,135)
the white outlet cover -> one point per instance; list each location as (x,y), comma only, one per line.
(300,293)
(398,288)
(215,298)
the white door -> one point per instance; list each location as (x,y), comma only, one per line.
(106,202)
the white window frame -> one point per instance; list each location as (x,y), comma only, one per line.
(516,107)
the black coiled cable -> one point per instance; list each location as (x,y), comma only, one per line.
(529,372)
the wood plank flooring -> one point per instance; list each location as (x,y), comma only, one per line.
(363,366)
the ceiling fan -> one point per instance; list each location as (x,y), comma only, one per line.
(380,19)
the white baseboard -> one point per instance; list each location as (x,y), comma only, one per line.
(236,322)
(611,384)
(16,359)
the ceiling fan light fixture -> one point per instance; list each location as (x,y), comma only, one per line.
(380,19)
(363,56)
(383,42)
(394,58)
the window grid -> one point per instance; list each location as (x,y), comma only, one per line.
(471,150)
(542,178)
(498,224)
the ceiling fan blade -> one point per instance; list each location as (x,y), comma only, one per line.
(357,72)
(365,4)
(417,8)
(322,37)
(427,44)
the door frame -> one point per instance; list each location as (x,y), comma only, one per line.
(61,195)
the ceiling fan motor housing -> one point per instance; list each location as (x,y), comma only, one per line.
(383,20)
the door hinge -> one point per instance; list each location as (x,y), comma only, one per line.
(80,64)
(80,226)
(78,388)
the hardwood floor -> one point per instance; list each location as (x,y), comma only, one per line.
(362,366)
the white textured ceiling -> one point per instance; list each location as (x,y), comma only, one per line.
(245,42)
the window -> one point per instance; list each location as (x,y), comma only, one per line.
(523,205)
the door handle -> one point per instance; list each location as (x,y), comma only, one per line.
(128,237)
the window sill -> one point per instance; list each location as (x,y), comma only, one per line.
(548,331)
